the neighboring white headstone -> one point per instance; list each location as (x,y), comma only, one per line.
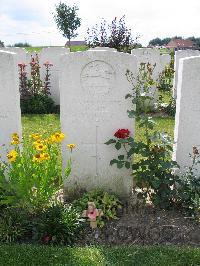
(187,120)
(152,56)
(10,114)
(21,54)
(165,59)
(178,55)
(93,86)
(53,54)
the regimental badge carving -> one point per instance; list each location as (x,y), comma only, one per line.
(98,77)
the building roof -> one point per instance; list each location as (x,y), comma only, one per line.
(180,43)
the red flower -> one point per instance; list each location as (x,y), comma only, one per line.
(22,65)
(47,238)
(122,133)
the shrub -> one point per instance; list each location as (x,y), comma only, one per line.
(115,35)
(58,224)
(39,104)
(153,168)
(188,188)
(108,203)
(165,80)
(14,225)
(34,94)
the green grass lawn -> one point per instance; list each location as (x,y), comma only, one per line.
(51,123)
(93,256)
(73,48)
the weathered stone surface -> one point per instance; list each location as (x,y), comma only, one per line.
(178,55)
(187,125)
(10,114)
(93,86)
(53,54)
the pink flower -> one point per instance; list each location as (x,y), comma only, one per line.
(47,63)
(92,214)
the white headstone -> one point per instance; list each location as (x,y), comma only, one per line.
(178,55)
(93,86)
(21,53)
(152,56)
(53,54)
(10,114)
(187,120)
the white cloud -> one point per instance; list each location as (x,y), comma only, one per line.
(148,18)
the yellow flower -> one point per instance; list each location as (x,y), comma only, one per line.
(35,136)
(57,137)
(15,135)
(71,146)
(12,155)
(15,141)
(46,156)
(38,157)
(49,140)
(40,147)
(37,142)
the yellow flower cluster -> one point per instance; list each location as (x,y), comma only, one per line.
(39,157)
(40,144)
(15,139)
(12,155)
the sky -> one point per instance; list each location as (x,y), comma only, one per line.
(32,20)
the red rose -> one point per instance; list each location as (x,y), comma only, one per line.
(122,133)
(47,238)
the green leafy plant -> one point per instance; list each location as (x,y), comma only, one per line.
(149,159)
(39,104)
(58,224)
(188,188)
(108,203)
(31,177)
(14,225)
(165,79)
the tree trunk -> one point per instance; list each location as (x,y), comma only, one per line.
(69,44)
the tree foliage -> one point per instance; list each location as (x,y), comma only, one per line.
(114,35)
(21,44)
(165,41)
(1,44)
(67,20)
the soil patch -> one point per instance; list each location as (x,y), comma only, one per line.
(145,226)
